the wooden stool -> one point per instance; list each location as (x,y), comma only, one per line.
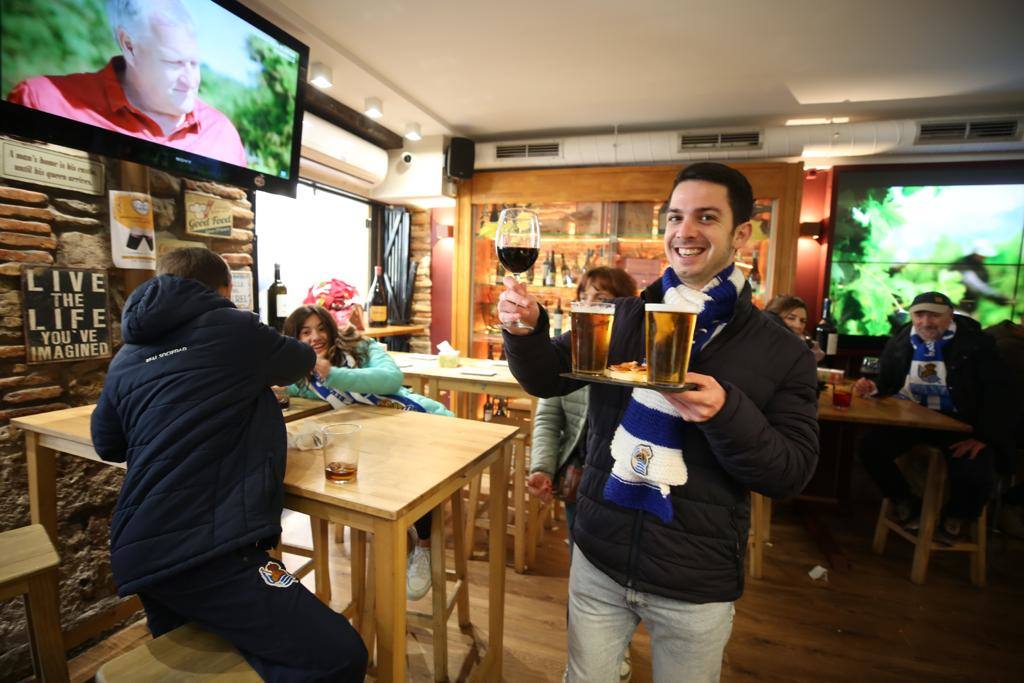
(187,653)
(361,609)
(28,567)
(931,509)
(518,505)
(760,532)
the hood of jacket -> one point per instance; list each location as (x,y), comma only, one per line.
(163,304)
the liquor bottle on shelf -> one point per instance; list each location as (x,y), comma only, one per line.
(499,273)
(825,332)
(378,299)
(566,278)
(556,320)
(499,410)
(531,274)
(549,270)
(277,300)
(755,274)
(488,409)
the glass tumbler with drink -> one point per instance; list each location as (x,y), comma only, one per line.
(517,242)
(669,335)
(591,334)
(341,444)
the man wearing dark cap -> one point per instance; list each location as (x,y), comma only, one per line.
(944,362)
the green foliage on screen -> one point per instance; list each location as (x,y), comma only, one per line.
(52,37)
(884,253)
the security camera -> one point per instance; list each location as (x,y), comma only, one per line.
(407,157)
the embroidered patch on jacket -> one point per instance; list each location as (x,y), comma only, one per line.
(274,574)
(641,459)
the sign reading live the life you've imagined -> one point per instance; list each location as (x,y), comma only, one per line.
(66,314)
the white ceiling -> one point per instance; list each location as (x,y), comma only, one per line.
(500,70)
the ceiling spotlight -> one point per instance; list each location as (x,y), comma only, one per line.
(320,75)
(412,132)
(373,107)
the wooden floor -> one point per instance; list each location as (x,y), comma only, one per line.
(869,623)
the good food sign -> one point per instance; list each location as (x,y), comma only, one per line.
(66,314)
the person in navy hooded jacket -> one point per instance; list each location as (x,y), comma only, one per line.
(187,404)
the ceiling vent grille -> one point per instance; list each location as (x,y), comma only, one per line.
(528,151)
(732,139)
(992,130)
(978,131)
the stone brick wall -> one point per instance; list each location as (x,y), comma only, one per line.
(419,251)
(44,226)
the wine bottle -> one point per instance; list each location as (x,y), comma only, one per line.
(825,332)
(755,274)
(378,299)
(499,273)
(499,410)
(488,409)
(556,320)
(566,275)
(549,270)
(277,300)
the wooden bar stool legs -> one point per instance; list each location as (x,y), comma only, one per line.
(760,532)
(931,511)
(519,527)
(28,567)
(443,601)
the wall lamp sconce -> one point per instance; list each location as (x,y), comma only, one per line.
(813,229)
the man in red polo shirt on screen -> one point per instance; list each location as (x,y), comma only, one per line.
(151,91)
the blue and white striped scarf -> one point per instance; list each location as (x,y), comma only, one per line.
(647,446)
(340,399)
(926,380)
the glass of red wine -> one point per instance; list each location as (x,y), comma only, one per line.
(517,242)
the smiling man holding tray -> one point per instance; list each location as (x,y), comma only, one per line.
(663,508)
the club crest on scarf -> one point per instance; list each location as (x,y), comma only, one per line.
(642,456)
(648,444)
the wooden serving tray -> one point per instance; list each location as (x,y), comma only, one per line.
(604,379)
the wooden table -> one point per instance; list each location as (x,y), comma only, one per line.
(887,412)
(830,484)
(392,331)
(831,481)
(409,466)
(428,378)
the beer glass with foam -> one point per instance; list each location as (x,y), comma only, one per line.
(669,332)
(591,335)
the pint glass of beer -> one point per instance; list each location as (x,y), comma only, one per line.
(591,334)
(669,332)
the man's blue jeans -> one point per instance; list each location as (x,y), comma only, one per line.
(687,639)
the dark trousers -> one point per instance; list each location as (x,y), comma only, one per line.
(970,481)
(422,526)
(285,633)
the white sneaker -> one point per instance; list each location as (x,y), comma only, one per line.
(417,573)
(625,669)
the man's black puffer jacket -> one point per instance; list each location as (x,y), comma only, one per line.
(765,439)
(187,403)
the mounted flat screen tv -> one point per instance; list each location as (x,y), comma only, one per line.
(205,88)
(903,230)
